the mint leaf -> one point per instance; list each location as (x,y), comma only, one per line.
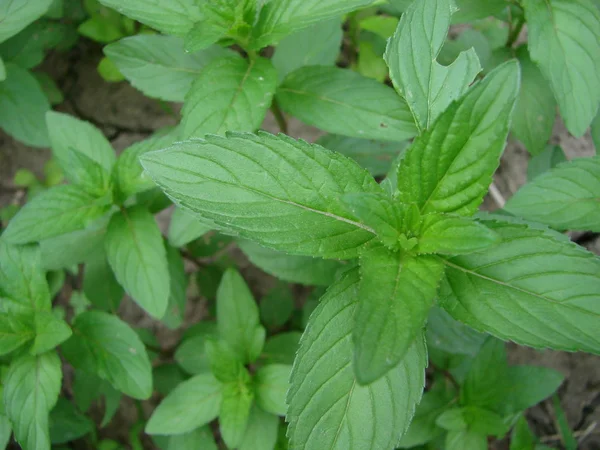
(31,388)
(231,94)
(225,364)
(57,211)
(449,167)
(396,291)
(163,15)
(347,415)
(68,134)
(178,281)
(596,131)
(185,228)
(522,438)
(528,386)
(107,346)
(15,330)
(453,235)
(99,283)
(190,405)
(317,45)
(67,423)
(158,65)
(566,197)
(200,438)
(271,385)
(280,18)
(50,331)
(449,335)
(411,54)
(135,251)
(23,285)
(17,14)
(235,411)
(530,289)
(472,419)
(6,431)
(535,111)
(87,174)
(375,156)
(572,66)
(238,318)
(461,439)
(472,10)
(281,348)
(344,102)
(215,179)
(552,156)
(261,430)
(23,106)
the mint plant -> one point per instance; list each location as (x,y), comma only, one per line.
(401,341)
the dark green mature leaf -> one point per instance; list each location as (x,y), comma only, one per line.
(291,207)
(59,210)
(68,134)
(449,335)
(411,54)
(282,17)
(396,292)
(528,386)
(31,388)
(67,423)
(167,16)
(533,289)
(375,156)
(159,66)
(261,431)
(347,415)
(291,268)
(23,285)
(277,307)
(185,228)
(535,111)
(235,411)
(342,101)
(317,45)
(281,348)
(471,10)
(453,235)
(178,281)
(23,106)
(552,156)
(17,14)
(50,331)
(238,318)
(449,168)
(99,283)
(135,251)
(271,385)
(190,405)
(564,41)
(566,197)
(231,94)
(107,346)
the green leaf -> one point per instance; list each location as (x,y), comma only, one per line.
(23,285)
(67,423)
(235,411)
(231,94)
(6,431)
(328,409)
(15,330)
(566,197)
(163,15)
(283,17)
(375,156)
(49,332)
(31,388)
(528,386)
(198,439)
(158,65)
(552,156)
(533,289)
(522,438)
(185,228)
(571,64)
(474,420)
(238,318)
(535,111)
(225,364)
(191,353)
(344,102)
(461,439)
(411,55)
(371,48)
(99,283)
(396,292)
(277,307)
(449,335)
(87,174)
(452,235)
(596,131)
(23,106)
(17,14)
(261,431)
(215,178)
(449,167)
(135,251)
(291,268)
(107,346)
(68,133)
(566,433)
(59,210)
(317,45)
(281,348)
(271,385)
(472,10)
(109,71)
(101,30)
(174,315)
(190,405)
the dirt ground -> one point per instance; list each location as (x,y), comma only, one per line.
(126,116)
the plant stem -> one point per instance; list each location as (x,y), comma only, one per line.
(279,117)
(515,32)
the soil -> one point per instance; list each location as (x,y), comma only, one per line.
(126,116)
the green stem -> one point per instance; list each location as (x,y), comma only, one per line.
(279,117)
(515,32)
